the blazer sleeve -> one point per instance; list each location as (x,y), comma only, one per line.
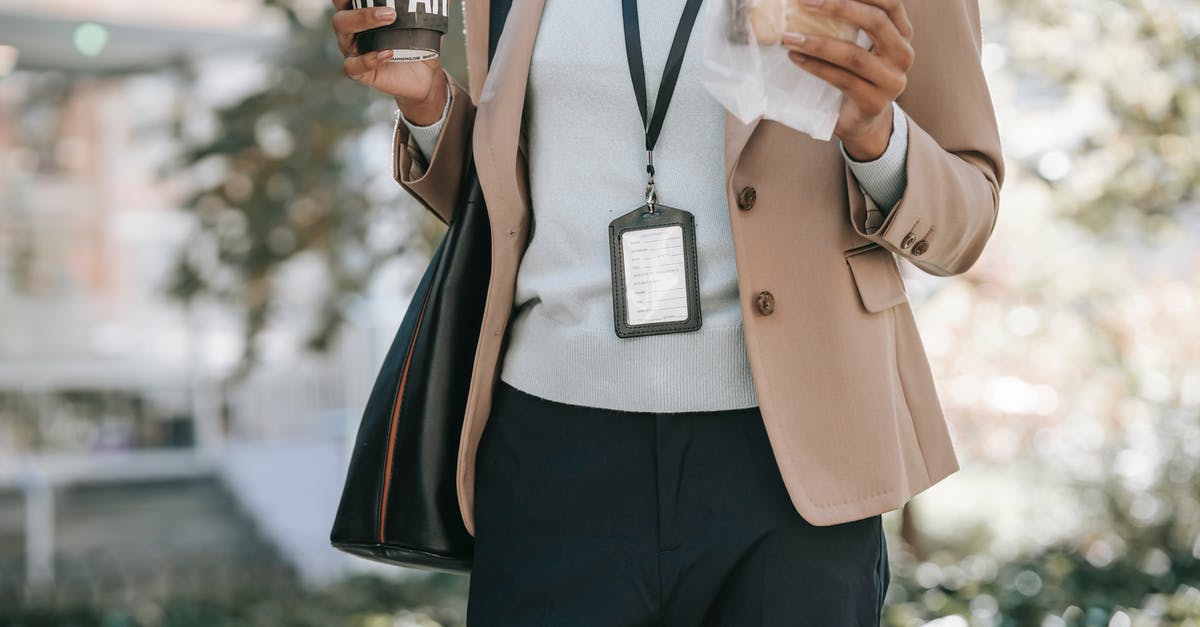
(436,181)
(955,168)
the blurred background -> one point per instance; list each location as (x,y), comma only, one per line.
(203,258)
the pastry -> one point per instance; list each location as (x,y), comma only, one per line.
(769,19)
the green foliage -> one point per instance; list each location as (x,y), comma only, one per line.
(358,601)
(288,187)
(1059,582)
(285,191)
(1139,554)
(1138,164)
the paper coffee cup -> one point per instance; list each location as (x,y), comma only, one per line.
(415,35)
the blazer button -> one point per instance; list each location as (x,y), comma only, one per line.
(908,240)
(920,247)
(746,198)
(766,303)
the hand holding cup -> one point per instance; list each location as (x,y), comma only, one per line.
(419,87)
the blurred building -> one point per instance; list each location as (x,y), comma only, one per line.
(121,450)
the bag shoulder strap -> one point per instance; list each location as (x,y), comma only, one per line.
(497,15)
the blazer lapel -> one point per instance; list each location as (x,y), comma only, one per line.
(500,107)
(737,135)
(476,16)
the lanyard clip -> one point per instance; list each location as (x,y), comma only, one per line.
(651,191)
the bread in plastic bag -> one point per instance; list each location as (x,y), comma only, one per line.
(770,18)
(749,73)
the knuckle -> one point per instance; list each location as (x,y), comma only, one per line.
(347,27)
(857,60)
(360,19)
(350,21)
(877,19)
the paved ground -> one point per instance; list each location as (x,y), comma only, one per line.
(147,540)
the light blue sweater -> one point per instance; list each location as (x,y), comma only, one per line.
(586,153)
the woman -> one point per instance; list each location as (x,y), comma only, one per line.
(725,460)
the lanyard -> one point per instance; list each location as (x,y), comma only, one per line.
(666,89)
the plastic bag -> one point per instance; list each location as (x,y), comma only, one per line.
(748,71)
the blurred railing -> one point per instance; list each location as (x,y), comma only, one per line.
(39,477)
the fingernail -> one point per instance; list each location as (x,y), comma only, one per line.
(813,3)
(794,38)
(385,13)
(384,54)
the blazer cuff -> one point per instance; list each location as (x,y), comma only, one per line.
(426,136)
(885,177)
(434,178)
(949,207)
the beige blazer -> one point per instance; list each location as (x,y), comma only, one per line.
(844,387)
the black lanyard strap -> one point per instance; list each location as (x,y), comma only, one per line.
(637,70)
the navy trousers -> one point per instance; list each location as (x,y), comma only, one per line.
(594,517)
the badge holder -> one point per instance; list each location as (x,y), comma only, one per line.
(656,287)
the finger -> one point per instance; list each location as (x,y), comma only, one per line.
(349,22)
(865,93)
(346,42)
(898,14)
(361,66)
(848,56)
(877,21)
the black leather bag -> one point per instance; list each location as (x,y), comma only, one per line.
(399,504)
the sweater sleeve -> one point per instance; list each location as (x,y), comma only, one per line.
(427,136)
(884,178)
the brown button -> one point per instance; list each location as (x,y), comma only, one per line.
(920,247)
(766,303)
(745,199)
(908,240)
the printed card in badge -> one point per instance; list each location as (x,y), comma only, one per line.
(655,280)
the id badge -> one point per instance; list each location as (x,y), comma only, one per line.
(656,287)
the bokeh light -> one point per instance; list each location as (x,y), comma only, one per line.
(90,39)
